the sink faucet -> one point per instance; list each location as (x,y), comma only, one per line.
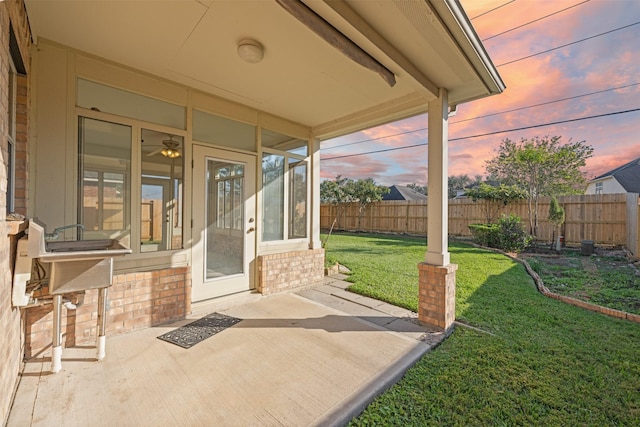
(56,232)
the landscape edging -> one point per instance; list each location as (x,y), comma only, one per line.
(568,300)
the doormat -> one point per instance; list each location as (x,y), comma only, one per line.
(191,334)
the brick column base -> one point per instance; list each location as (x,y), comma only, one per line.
(437,295)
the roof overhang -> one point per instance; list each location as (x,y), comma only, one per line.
(426,45)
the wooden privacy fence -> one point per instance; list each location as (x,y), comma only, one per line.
(151,220)
(607,219)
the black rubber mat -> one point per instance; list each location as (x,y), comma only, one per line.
(189,335)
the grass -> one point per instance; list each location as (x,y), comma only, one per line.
(543,363)
(608,281)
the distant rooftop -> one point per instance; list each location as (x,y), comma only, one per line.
(628,175)
(402,192)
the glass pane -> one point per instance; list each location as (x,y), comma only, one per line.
(151,236)
(161,203)
(11,90)
(225,216)
(220,131)
(297,199)
(272,197)
(11,121)
(11,173)
(127,104)
(105,167)
(278,141)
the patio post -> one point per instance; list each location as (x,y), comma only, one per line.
(437,276)
(314,145)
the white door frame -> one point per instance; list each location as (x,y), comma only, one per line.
(203,288)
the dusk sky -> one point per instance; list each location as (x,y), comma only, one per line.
(601,75)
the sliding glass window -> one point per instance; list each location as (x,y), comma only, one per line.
(285,187)
(161,191)
(104,163)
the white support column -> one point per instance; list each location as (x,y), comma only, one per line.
(316,243)
(438,206)
(437,276)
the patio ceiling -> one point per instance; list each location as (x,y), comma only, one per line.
(425,44)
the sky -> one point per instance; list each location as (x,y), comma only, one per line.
(608,64)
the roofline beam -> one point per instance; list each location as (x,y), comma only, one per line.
(335,38)
(348,14)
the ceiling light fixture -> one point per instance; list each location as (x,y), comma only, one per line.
(171,153)
(250,51)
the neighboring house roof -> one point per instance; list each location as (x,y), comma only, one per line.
(628,175)
(402,192)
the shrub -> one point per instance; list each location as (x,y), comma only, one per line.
(485,234)
(512,238)
(506,235)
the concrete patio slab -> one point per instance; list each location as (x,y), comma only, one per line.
(292,361)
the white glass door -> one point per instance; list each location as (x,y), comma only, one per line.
(224,222)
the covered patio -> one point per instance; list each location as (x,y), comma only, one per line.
(189,131)
(315,357)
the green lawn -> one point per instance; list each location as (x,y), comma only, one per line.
(540,362)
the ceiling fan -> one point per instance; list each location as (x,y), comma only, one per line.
(171,149)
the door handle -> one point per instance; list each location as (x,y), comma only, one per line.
(251,230)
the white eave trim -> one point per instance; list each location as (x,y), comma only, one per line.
(490,74)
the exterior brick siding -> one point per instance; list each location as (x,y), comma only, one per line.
(437,295)
(12,15)
(135,301)
(289,270)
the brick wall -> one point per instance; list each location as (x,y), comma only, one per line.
(12,14)
(437,295)
(135,301)
(289,270)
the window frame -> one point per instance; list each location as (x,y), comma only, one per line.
(12,106)
(164,257)
(599,189)
(268,246)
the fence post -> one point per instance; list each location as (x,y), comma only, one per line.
(633,220)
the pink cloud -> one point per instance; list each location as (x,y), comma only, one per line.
(590,66)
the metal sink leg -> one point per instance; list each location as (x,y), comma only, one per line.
(56,354)
(102,323)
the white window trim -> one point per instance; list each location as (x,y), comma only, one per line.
(599,187)
(141,261)
(286,244)
(11,136)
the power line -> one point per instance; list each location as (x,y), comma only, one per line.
(535,20)
(491,10)
(547,124)
(378,138)
(547,103)
(485,134)
(568,44)
(489,115)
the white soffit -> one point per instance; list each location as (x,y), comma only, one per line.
(301,78)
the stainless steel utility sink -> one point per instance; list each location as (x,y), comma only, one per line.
(81,245)
(75,265)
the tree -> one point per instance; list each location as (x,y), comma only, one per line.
(345,190)
(556,217)
(336,193)
(461,182)
(541,166)
(422,189)
(365,191)
(494,198)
